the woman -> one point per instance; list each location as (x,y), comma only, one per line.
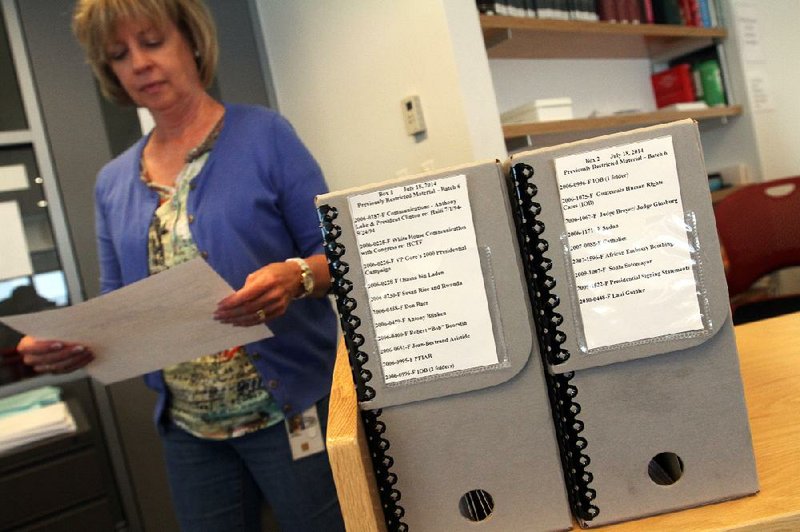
(234,185)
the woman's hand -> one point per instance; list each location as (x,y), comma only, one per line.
(53,356)
(266,294)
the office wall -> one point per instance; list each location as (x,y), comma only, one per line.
(777,124)
(599,87)
(341,67)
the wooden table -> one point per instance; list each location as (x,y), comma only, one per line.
(769,353)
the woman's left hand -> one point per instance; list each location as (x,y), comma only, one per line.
(265,295)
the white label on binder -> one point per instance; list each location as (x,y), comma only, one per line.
(423,278)
(628,243)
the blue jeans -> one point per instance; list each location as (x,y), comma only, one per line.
(218,485)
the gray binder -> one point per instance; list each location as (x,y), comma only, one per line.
(462,447)
(654,425)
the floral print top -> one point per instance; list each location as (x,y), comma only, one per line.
(219,395)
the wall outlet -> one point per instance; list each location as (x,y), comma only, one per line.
(412,115)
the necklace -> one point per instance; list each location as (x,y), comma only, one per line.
(192,154)
(204,146)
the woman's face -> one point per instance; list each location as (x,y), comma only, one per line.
(156,67)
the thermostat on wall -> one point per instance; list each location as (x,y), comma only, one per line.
(412,115)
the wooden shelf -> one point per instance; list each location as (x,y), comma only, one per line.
(532,38)
(770,373)
(511,131)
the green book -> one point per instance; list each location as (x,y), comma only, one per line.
(711,82)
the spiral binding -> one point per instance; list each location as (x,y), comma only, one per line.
(374,428)
(562,393)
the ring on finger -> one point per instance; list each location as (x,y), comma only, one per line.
(261,315)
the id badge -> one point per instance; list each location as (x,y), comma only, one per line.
(305,434)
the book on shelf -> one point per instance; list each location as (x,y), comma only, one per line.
(632,11)
(607,10)
(517,8)
(554,327)
(487,7)
(552,9)
(705,13)
(700,13)
(673,85)
(713,13)
(667,12)
(708,79)
(646,7)
(690,12)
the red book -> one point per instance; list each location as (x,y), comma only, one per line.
(674,85)
(622,10)
(607,10)
(697,18)
(634,11)
(690,11)
(648,17)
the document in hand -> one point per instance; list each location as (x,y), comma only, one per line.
(151,324)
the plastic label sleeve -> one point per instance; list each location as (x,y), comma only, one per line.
(627,243)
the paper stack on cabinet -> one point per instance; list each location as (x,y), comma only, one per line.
(33,415)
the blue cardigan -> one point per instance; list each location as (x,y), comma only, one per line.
(252,204)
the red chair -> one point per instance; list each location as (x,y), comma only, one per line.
(759,229)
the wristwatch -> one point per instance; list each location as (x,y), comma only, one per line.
(306,276)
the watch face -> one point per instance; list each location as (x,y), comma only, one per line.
(306,276)
(308,282)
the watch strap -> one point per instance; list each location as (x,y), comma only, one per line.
(306,276)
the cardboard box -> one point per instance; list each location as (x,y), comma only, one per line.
(545,110)
(655,421)
(452,449)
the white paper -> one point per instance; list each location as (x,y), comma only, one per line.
(628,243)
(748,33)
(15,259)
(423,278)
(35,424)
(759,91)
(13,177)
(157,322)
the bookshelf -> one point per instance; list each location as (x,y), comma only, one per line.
(531,38)
(622,120)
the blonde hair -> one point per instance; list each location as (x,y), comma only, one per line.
(94,23)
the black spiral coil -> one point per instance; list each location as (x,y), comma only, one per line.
(374,428)
(544,301)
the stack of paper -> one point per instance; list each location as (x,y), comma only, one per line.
(36,398)
(33,416)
